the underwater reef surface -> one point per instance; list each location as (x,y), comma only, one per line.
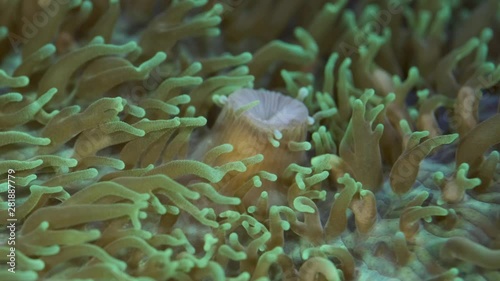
(250,140)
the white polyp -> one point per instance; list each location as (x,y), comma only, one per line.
(219,100)
(277,134)
(222,100)
(310,120)
(303,93)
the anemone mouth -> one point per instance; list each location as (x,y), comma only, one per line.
(274,109)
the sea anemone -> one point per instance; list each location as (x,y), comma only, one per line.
(249,140)
(261,124)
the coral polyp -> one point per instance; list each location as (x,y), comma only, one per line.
(250,140)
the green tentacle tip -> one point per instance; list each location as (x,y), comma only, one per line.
(21,137)
(299,146)
(13,82)
(20,165)
(463,180)
(301,207)
(253,160)
(268,176)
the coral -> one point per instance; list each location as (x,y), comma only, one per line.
(249,140)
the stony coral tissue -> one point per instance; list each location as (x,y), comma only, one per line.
(250,140)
